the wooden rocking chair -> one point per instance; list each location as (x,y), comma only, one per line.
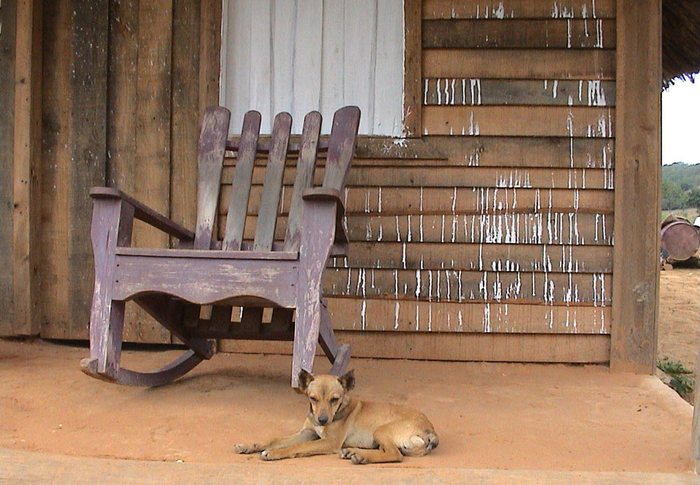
(173,284)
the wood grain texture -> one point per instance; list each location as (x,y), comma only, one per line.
(519,64)
(209,53)
(153,122)
(555,121)
(501,257)
(520,9)
(450,285)
(25,168)
(186,113)
(393,201)
(418,316)
(56,317)
(492,177)
(88,140)
(8,20)
(238,203)
(413,68)
(462,91)
(519,34)
(306,165)
(122,128)
(210,157)
(549,348)
(638,167)
(270,199)
(210,280)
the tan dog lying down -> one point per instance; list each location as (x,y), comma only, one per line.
(364,432)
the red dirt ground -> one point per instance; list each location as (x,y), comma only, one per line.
(487,415)
(679,316)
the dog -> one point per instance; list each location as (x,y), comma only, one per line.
(360,431)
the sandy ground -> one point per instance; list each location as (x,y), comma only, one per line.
(679,316)
(488,415)
(496,416)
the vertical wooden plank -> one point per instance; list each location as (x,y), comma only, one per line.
(8,21)
(209,53)
(306,166)
(210,163)
(238,205)
(637,186)
(122,129)
(25,167)
(358,50)
(153,122)
(185,114)
(307,60)
(89,145)
(388,88)
(56,159)
(270,199)
(413,69)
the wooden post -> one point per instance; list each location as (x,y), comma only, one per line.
(209,51)
(413,64)
(637,187)
(25,173)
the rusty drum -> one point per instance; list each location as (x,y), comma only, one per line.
(680,240)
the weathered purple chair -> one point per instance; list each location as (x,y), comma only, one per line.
(173,284)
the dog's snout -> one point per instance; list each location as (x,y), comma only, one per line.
(322,420)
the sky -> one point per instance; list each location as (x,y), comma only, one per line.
(680,123)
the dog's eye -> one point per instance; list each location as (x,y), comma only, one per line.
(313,399)
(334,400)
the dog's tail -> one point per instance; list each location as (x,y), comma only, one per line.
(432,440)
(421,444)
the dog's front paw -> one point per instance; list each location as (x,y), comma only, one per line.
(353,455)
(270,455)
(244,449)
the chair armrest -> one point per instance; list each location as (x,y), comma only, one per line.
(341,238)
(144,213)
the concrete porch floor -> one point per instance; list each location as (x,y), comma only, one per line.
(498,423)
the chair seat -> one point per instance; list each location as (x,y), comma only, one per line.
(209,254)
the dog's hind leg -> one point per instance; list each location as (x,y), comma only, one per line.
(386,438)
(302,436)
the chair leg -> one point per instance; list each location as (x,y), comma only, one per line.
(306,330)
(339,355)
(106,329)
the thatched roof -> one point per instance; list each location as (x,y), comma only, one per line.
(681,39)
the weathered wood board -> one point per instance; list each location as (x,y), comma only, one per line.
(7,122)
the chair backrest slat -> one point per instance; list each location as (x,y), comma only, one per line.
(242,179)
(304,178)
(270,199)
(210,161)
(341,147)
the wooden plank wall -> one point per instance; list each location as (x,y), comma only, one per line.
(132,88)
(20,127)
(7,122)
(499,221)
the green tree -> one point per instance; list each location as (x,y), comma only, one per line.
(694,198)
(673,196)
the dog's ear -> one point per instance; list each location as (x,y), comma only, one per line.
(347,380)
(305,379)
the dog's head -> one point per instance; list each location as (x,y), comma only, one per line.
(327,394)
